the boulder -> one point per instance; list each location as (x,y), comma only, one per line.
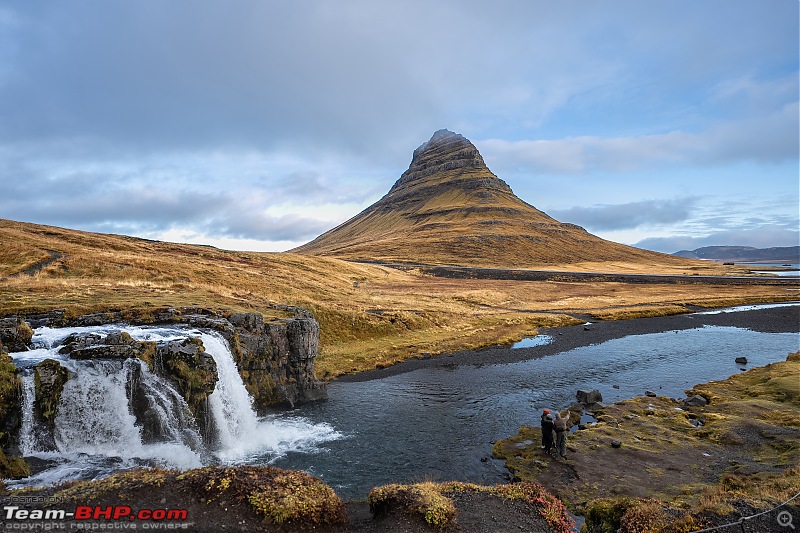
(616,443)
(15,334)
(650,394)
(695,401)
(95,319)
(115,345)
(589,396)
(741,360)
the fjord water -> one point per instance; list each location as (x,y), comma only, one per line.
(435,423)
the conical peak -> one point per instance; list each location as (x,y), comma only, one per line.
(443,148)
(445,151)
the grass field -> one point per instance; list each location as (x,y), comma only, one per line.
(370,316)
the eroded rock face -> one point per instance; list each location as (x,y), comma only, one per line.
(10,401)
(276,359)
(191,370)
(49,378)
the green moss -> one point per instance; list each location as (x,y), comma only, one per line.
(118,484)
(296,497)
(13,467)
(148,354)
(422,499)
(430,501)
(281,496)
(192,376)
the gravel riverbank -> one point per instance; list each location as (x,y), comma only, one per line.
(785,319)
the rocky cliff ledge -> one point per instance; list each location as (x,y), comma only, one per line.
(275,358)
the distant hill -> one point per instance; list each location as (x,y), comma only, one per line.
(744,254)
(449,208)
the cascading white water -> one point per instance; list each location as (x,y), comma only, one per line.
(27,436)
(231,405)
(93,415)
(97,432)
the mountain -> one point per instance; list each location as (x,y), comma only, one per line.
(449,208)
(744,254)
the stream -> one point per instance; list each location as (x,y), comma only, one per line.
(429,424)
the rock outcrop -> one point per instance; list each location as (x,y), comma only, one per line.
(10,401)
(10,419)
(15,334)
(115,345)
(49,378)
(276,359)
(193,372)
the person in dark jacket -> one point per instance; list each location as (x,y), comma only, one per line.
(560,427)
(547,431)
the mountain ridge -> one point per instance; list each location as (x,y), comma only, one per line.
(449,208)
(781,254)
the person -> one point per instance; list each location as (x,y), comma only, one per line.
(560,427)
(547,434)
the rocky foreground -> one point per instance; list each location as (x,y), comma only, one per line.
(731,449)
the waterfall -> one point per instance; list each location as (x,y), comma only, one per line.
(28,442)
(231,405)
(116,413)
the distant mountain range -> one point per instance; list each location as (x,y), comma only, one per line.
(744,254)
(448,208)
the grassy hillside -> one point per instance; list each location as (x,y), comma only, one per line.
(370,316)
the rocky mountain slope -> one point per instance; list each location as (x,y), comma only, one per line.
(449,208)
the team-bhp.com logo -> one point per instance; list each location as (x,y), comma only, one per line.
(20,519)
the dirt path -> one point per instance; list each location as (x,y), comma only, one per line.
(36,267)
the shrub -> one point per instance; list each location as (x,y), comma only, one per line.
(422,499)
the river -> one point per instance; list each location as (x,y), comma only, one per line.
(439,423)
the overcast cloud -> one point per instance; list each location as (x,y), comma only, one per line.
(258,124)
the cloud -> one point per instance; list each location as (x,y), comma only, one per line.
(256,119)
(629,215)
(771,138)
(258,226)
(136,210)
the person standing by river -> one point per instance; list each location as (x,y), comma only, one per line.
(560,427)
(547,431)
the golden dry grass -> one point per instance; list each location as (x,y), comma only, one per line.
(370,315)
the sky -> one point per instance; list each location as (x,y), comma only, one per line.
(258,125)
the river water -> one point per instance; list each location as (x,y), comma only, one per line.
(440,423)
(431,423)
